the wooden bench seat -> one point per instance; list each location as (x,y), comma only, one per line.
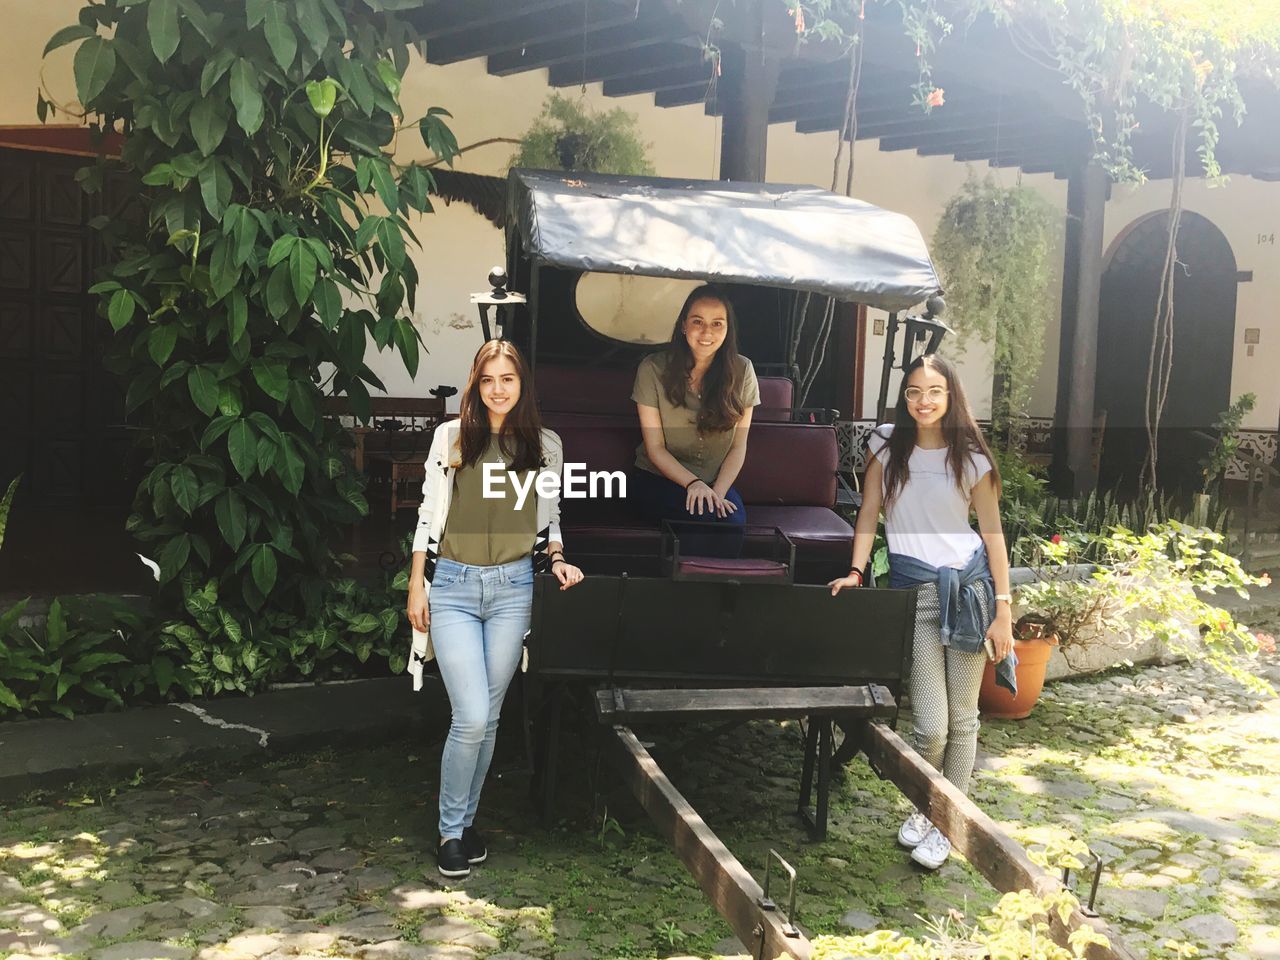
(851,706)
(627,706)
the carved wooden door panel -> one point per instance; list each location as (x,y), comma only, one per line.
(59,409)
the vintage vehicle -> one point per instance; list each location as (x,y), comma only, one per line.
(654,634)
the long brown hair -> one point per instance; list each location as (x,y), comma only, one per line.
(721,390)
(521,437)
(959,430)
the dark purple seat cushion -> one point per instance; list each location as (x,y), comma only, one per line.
(790,463)
(788,482)
(733,567)
(596,390)
(819,533)
(775,399)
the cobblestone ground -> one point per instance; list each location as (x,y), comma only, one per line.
(1171,773)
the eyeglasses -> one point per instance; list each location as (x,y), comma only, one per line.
(915,394)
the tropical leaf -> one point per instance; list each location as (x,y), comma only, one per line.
(6,503)
(94,64)
(246,97)
(280,36)
(71,34)
(162,25)
(208,124)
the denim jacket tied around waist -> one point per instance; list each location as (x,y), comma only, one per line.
(961,621)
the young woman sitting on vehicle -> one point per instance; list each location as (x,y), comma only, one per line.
(695,400)
(479,554)
(928,470)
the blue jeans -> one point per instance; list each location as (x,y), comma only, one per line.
(656,499)
(479,617)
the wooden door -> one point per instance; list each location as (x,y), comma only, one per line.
(62,415)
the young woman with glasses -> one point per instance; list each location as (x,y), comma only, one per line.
(928,470)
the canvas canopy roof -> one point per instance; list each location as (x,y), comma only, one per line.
(794,236)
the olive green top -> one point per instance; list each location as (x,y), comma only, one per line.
(487,532)
(699,453)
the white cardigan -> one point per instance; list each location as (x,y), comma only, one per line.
(443,459)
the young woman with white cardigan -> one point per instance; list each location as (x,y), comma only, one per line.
(471,583)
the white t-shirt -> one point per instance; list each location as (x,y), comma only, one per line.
(930,518)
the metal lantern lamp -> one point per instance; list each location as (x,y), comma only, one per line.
(926,330)
(498,297)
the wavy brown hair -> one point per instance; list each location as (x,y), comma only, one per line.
(521,437)
(721,386)
(959,429)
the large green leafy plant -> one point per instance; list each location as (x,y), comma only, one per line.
(273,248)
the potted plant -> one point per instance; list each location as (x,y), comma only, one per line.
(1123,592)
(569,136)
(1034,638)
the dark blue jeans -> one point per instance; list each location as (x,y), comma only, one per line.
(656,498)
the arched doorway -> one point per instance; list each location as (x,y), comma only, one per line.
(1204,307)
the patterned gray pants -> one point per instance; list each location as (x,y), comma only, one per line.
(944,695)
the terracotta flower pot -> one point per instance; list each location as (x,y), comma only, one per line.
(1033,648)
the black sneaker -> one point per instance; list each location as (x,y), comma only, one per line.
(451,859)
(473,843)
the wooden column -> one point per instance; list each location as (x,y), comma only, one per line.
(1073,470)
(748,81)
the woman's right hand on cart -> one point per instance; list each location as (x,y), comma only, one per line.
(850,580)
(417,609)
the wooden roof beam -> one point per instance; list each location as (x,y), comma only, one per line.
(829,91)
(833,120)
(1058,169)
(937,124)
(621,64)
(928,145)
(689,94)
(868,109)
(600,52)
(1043,149)
(444,16)
(525,28)
(661,79)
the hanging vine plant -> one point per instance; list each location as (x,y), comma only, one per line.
(257,133)
(567,135)
(992,247)
(1178,56)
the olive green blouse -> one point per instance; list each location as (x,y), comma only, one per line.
(488,532)
(699,453)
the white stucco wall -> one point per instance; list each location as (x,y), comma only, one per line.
(459,246)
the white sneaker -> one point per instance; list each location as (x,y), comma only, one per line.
(914,829)
(933,850)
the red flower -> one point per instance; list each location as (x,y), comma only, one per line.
(935,97)
(1056,538)
(1266,642)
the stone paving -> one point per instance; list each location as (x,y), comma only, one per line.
(1171,773)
